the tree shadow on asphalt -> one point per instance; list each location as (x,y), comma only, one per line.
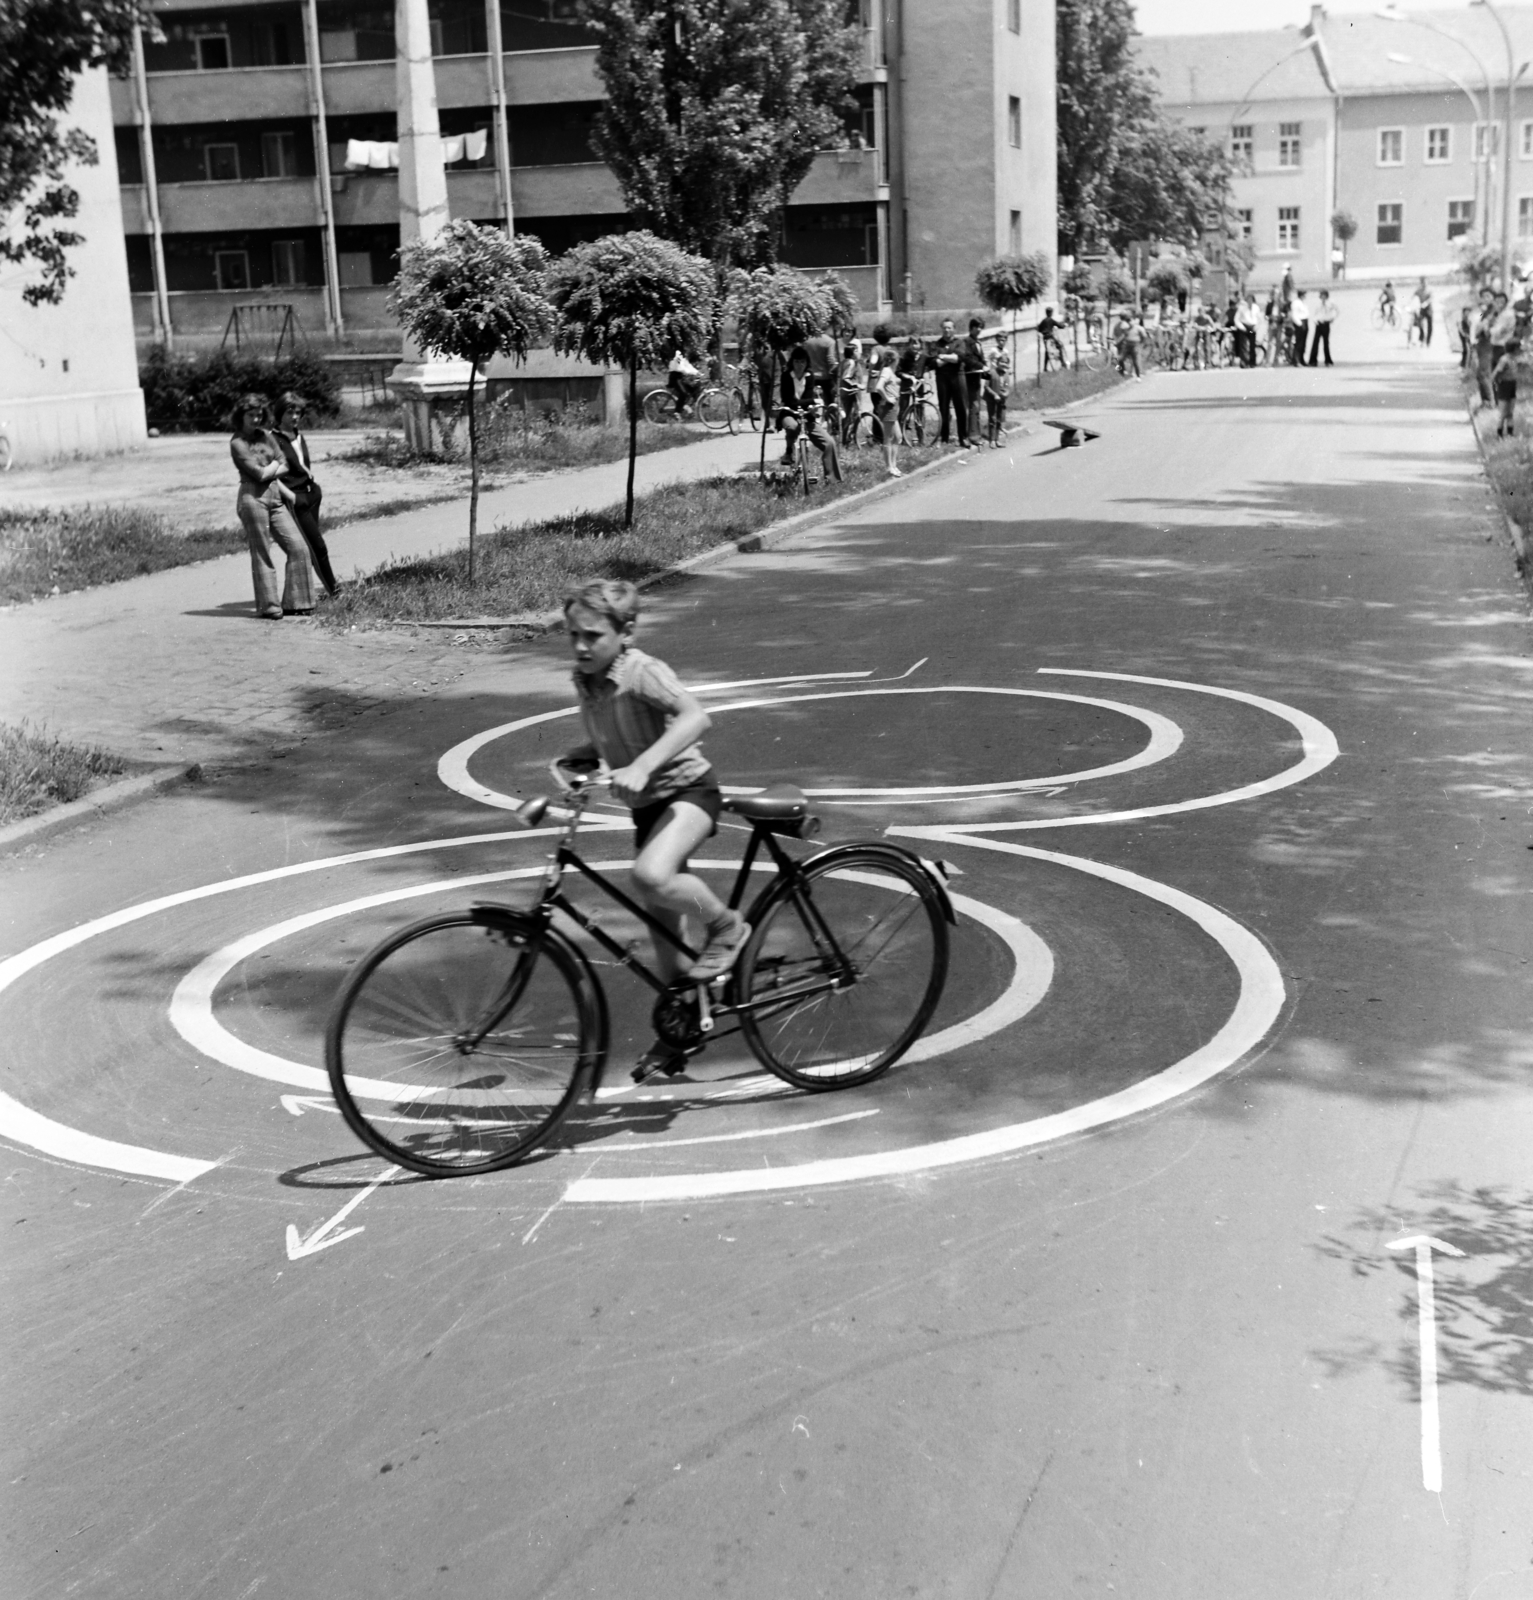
(1484,1302)
(1352,400)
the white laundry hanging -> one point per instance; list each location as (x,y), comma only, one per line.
(382,155)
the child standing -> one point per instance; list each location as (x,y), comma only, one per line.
(645,726)
(997,387)
(884,387)
(1503,381)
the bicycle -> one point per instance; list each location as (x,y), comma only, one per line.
(1383,316)
(720,407)
(798,457)
(920,417)
(460,1044)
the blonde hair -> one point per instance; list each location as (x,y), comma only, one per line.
(611,598)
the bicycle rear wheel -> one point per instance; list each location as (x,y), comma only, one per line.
(842,971)
(720,409)
(659,405)
(460,1044)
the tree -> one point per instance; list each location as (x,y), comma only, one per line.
(44,45)
(472,293)
(631,300)
(715,110)
(1125,170)
(1343,228)
(776,308)
(1168,279)
(1011,282)
(841,303)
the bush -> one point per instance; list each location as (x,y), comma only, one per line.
(196,393)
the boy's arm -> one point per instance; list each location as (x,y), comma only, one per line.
(689,725)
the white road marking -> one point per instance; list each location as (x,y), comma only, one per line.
(1426,1319)
(727,1138)
(1257,1008)
(1319,743)
(297,1104)
(1165,739)
(325,1235)
(191,1006)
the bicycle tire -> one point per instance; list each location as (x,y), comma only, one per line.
(885,917)
(395,1047)
(719,409)
(1376,319)
(7,455)
(801,471)
(866,431)
(659,405)
(924,422)
(749,407)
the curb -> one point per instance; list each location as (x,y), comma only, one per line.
(101,802)
(1513,531)
(763,539)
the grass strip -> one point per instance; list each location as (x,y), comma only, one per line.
(1061,389)
(52,551)
(532,567)
(511,444)
(38,771)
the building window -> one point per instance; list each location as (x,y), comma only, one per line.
(1245,222)
(287,263)
(1439,144)
(1242,143)
(1460,218)
(1288,228)
(279,155)
(1014,15)
(1288,143)
(1014,234)
(1525,216)
(212,52)
(1525,142)
(1014,121)
(1487,137)
(221,162)
(1391,223)
(1391,147)
(232,268)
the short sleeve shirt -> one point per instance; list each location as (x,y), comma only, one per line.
(627,709)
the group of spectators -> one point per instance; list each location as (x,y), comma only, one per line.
(1492,330)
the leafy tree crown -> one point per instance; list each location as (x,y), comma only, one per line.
(472,293)
(631,298)
(776,308)
(1011,282)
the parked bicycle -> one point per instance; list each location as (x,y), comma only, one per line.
(460,1044)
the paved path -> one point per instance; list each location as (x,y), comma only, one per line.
(176,666)
(1158,1355)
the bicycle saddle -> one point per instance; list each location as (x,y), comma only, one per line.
(778,802)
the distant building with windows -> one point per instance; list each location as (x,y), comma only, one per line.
(1360,113)
(253,145)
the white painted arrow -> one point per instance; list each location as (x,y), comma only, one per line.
(297,1104)
(324,1236)
(1426,1318)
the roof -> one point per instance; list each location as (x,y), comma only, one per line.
(1224,68)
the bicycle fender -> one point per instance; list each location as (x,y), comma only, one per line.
(935,871)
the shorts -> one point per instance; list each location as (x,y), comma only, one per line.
(1506,391)
(705,796)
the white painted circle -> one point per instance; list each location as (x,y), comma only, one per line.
(191,1006)
(1165,739)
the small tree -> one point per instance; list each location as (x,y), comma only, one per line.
(472,294)
(776,308)
(841,304)
(1078,280)
(1009,283)
(1344,227)
(1478,264)
(1168,280)
(630,300)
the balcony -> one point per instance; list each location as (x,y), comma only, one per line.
(251,94)
(840,178)
(234,207)
(372,199)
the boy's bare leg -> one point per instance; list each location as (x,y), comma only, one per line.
(666,889)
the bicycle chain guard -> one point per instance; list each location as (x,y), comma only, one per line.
(677,1020)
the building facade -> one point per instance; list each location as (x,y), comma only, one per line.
(69,373)
(253,146)
(1401,123)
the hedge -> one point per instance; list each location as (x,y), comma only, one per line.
(197,393)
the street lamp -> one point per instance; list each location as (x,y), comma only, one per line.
(1513,73)
(1482,218)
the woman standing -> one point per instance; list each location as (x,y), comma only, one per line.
(299,477)
(264,508)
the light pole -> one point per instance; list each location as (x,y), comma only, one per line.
(1391,13)
(1513,73)
(1482,218)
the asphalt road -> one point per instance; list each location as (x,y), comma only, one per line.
(913,1339)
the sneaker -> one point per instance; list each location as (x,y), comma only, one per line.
(726,939)
(660,1058)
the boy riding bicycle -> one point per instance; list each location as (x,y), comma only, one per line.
(645,726)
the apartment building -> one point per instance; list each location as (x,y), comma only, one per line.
(1398,122)
(252,143)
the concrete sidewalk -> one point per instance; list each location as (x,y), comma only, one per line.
(177,667)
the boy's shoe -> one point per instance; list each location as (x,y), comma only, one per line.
(660,1058)
(726,939)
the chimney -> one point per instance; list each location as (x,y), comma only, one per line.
(1316,17)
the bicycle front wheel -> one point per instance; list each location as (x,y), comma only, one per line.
(843,968)
(460,1044)
(719,409)
(659,405)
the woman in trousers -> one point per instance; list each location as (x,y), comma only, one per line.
(299,477)
(264,505)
